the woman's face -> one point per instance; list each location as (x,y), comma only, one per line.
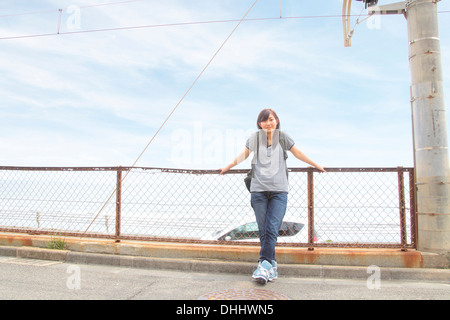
(270,124)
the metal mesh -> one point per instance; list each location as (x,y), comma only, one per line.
(62,200)
(180,205)
(358,207)
(343,207)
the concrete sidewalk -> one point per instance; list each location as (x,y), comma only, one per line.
(324,263)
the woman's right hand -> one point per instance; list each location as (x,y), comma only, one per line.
(223,170)
(241,157)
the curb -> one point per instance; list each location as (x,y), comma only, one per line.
(230,267)
(391,258)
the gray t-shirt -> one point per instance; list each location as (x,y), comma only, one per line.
(270,163)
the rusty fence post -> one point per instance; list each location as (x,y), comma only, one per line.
(412,205)
(310,209)
(118,202)
(401,204)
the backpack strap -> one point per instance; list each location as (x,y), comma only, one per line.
(283,143)
(255,156)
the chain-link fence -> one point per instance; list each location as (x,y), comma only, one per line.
(345,207)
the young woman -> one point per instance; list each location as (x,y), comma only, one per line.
(269,185)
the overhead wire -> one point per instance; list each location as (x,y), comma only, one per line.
(110,3)
(352,31)
(156,26)
(53,10)
(59,33)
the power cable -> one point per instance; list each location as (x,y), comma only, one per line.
(53,10)
(181,24)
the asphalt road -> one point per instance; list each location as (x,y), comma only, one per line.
(31,279)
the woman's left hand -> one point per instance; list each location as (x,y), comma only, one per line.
(322,169)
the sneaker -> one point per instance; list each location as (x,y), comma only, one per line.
(273,272)
(261,274)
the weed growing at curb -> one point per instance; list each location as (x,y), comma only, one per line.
(57,243)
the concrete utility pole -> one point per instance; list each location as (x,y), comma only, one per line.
(431,156)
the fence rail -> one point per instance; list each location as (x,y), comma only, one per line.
(345,207)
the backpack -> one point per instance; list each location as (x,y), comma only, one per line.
(250,174)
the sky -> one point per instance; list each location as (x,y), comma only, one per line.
(90,84)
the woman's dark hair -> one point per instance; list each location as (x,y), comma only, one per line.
(264,115)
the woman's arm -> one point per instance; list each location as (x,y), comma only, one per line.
(302,157)
(241,157)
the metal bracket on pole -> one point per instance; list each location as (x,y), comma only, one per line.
(346,10)
(393,8)
(372,9)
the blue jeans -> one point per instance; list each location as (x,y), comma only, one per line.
(269,208)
